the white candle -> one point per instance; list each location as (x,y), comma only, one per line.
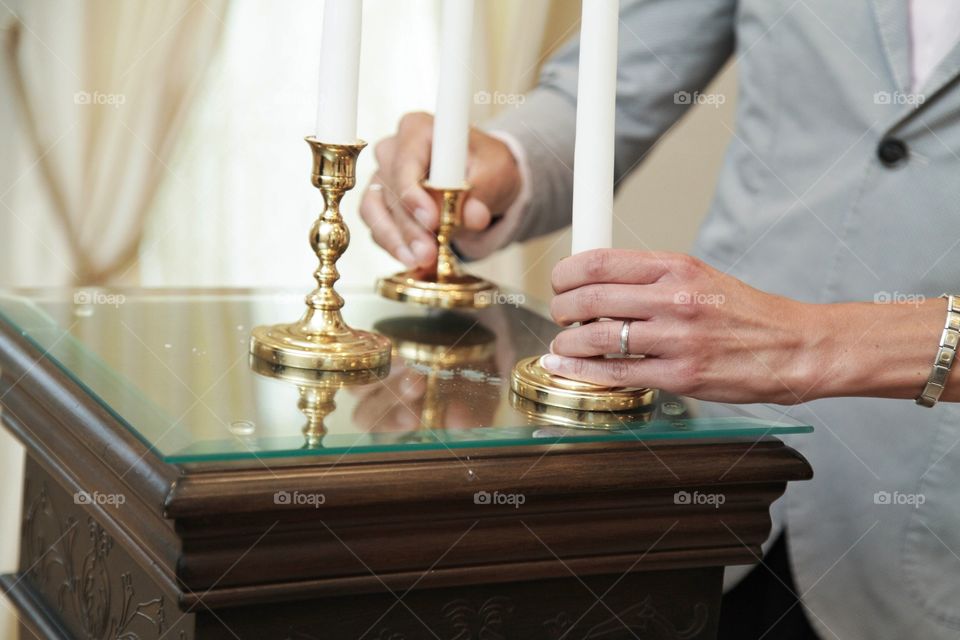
(339,71)
(451,126)
(596,111)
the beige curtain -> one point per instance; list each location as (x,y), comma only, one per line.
(101,88)
(93,97)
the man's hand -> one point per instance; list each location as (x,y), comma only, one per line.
(403,217)
(704,333)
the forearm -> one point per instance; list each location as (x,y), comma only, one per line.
(873,350)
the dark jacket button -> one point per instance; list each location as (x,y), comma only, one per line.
(892,152)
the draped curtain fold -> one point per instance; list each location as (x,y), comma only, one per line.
(101,90)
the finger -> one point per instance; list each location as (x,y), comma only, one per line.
(422,243)
(476,214)
(607,301)
(610,266)
(384,229)
(409,167)
(610,372)
(602,338)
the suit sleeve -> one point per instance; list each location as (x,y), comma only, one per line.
(668,49)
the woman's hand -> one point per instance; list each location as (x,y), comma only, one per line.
(403,217)
(704,333)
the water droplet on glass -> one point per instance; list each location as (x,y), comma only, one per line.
(242,427)
(673,408)
(168,346)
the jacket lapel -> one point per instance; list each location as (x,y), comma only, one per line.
(893,23)
(946,72)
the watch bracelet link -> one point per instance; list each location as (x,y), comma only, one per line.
(946,354)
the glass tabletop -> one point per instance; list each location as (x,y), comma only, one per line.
(173,368)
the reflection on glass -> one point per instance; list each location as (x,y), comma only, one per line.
(317,392)
(444,377)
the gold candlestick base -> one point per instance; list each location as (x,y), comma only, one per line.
(446,286)
(321,340)
(531,381)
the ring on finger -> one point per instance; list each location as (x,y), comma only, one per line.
(625,338)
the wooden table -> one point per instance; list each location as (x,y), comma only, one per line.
(173,490)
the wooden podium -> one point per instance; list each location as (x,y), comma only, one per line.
(155,509)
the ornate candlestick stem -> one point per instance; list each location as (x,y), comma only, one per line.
(321,340)
(445,285)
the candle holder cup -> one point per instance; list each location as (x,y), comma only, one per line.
(321,340)
(444,285)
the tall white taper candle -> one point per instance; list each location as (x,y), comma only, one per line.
(451,126)
(339,71)
(596,111)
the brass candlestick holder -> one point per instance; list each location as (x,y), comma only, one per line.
(532,382)
(446,285)
(321,340)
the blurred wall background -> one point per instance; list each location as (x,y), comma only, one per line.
(161,144)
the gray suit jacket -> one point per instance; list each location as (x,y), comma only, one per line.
(836,186)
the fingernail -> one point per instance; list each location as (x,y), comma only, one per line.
(406,257)
(422,250)
(552,342)
(550,362)
(424,218)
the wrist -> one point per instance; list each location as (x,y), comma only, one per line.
(874,350)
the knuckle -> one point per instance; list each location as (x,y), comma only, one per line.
(589,300)
(686,266)
(598,336)
(383,151)
(414,120)
(689,375)
(596,264)
(618,369)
